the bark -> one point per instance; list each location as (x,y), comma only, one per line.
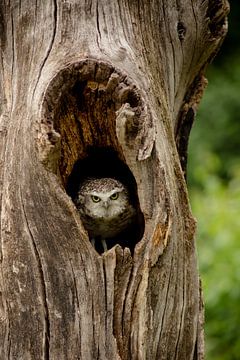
(117,83)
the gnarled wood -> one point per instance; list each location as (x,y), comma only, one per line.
(117,81)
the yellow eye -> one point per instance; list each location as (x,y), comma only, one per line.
(95,198)
(114,196)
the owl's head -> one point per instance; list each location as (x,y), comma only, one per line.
(102,198)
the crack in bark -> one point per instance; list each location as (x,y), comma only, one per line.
(106,300)
(77,298)
(46,346)
(196,38)
(173,50)
(125,300)
(13,60)
(93,327)
(5,306)
(92,306)
(126,319)
(183,307)
(98,25)
(133,302)
(34,31)
(97,19)
(8,335)
(9,344)
(50,45)
(165,302)
(124,28)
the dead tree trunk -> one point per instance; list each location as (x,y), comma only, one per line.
(112,86)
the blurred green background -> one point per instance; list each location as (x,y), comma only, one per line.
(214,186)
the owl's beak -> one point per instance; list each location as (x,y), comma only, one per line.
(106,204)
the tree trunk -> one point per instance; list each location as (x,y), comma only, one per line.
(112,85)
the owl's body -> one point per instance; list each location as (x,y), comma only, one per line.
(105,208)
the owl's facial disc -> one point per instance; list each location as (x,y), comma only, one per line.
(107,204)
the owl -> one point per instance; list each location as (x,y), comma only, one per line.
(105,209)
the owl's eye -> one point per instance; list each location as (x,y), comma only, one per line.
(95,198)
(114,196)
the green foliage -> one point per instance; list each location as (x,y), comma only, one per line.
(217,208)
(214,182)
(215,144)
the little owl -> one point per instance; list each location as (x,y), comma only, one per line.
(105,208)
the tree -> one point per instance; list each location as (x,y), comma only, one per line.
(112,85)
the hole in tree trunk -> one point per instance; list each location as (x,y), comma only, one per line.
(78,137)
(105,163)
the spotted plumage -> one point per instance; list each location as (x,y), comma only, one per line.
(105,208)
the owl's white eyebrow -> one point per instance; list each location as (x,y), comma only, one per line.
(103,193)
(115,191)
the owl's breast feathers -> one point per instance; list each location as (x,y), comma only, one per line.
(108,227)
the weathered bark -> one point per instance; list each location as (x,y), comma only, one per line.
(74,75)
